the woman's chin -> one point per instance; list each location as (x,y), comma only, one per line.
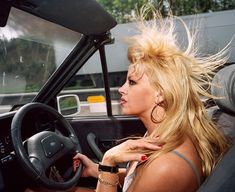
(126,112)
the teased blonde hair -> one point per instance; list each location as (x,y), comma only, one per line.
(183,77)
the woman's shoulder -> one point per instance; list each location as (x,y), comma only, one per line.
(168,173)
(175,165)
(172,172)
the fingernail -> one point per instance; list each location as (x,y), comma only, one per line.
(144,157)
(76,161)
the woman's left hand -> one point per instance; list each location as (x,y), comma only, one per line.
(128,151)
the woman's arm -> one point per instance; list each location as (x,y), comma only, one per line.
(107,181)
(91,168)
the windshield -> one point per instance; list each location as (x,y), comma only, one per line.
(31,49)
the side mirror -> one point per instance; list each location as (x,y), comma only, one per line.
(68,105)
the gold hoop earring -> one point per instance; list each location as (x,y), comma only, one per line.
(152,117)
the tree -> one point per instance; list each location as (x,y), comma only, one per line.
(124,10)
(28,59)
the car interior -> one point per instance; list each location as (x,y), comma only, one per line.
(223,176)
(31,164)
(35,123)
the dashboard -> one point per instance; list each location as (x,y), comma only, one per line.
(12,177)
(6,148)
(32,123)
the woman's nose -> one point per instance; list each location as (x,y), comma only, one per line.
(122,89)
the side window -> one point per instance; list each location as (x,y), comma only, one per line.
(116,80)
(117,62)
(88,83)
(84,94)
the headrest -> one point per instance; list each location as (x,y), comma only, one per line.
(223,85)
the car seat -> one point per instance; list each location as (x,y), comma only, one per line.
(222,178)
(224,87)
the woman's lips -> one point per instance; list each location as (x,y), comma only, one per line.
(122,101)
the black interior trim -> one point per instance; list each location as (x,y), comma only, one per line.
(106,80)
(84,16)
(4,12)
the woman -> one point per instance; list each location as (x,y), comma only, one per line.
(163,88)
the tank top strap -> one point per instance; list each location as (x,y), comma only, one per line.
(190,163)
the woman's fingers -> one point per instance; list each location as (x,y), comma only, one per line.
(131,151)
(142,144)
(80,156)
(76,164)
(77,160)
(132,157)
(90,168)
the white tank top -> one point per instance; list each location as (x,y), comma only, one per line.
(127,181)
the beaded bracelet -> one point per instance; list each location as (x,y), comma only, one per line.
(108,183)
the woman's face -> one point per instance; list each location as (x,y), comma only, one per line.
(137,95)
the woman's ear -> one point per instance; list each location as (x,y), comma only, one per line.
(158,97)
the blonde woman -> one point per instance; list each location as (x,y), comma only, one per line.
(163,88)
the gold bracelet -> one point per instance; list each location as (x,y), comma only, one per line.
(108,183)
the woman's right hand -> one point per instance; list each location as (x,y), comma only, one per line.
(90,168)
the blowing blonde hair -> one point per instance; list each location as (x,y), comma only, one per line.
(183,77)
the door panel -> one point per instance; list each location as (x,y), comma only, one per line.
(107,131)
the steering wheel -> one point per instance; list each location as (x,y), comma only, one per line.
(42,150)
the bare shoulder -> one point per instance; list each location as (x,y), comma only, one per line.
(166,173)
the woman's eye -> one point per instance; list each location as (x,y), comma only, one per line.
(131,82)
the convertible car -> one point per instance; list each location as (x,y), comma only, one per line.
(58,96)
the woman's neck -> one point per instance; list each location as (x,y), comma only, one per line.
(147,120)
(149,125)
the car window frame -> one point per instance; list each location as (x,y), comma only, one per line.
(85,48)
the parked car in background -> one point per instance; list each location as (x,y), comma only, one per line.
(61,63)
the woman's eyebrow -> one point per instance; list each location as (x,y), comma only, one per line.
(132,76)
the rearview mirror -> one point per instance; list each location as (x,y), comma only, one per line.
(68,105)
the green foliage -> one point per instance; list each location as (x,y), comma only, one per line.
(123,10)
(28,60)
(186,7)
